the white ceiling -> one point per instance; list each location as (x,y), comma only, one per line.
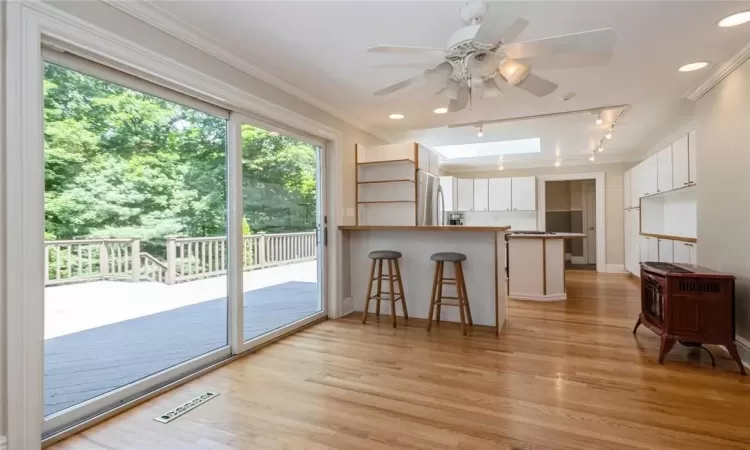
(319,47)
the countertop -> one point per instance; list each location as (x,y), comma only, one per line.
(420,228)
(547,236)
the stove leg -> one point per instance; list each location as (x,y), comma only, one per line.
(637,324)
(732,349)
(666,346)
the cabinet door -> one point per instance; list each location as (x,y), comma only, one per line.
(635,239)
(649,175)
(635,186)
(666,250)
(523,194)
(626,190)
(680,165)
(464,194)
(481,194)
(681,252)
(692,157)
(447,185)
(664,170)
(693,253)
(500,194)
(649,249)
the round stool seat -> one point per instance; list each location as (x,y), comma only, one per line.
(384,254)
(448,257)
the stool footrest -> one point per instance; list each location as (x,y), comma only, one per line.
(448,304)
(386,298)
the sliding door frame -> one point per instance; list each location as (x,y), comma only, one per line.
(28,24)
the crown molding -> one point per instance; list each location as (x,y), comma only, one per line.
(719,74)
(151,14)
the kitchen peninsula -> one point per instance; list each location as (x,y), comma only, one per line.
(484,268)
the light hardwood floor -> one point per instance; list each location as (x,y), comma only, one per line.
(567,375)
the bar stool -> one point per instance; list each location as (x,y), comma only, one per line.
(437,288)
(393,276)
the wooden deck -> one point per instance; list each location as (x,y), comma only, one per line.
(104,335)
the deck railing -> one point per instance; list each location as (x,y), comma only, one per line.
(188,258)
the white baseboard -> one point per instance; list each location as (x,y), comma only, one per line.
(616,268)
(3,443)
(578,260)
(347,307)
(568,257)
(743,348)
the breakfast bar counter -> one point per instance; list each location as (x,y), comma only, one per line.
(484,268)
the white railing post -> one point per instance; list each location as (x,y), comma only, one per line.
(103,259)
(262,249)
(46,264)
(171,260)
(135,259)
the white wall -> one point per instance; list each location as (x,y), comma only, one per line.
(722,118)
(3,387)
(613,185)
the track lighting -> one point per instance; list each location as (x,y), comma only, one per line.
(608,135)
(500,167)
(599,119)
(480,133)
(600,149)
(592,158)
(557,163)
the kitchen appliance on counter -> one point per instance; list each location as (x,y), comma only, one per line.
(454,218)
(430,200)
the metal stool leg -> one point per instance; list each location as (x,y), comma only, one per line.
(369,292)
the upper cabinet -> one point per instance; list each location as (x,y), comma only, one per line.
(693,157)
(499,194)
(481,194)
(448,186)
(664,170)
(635,186)
(649,176)
(464,194)
(680,163)
(626,190)
(523,194)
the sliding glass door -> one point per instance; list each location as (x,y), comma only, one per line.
(283,231)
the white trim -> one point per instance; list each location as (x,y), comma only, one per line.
(568,257)
(348,306)
(538,298)
(3,441)
(23,183)
(720,73)
(616,268)
(153,15)
(579,259)
(601,232)
(669,139)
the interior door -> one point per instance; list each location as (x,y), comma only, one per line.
(284,232)
(589,191)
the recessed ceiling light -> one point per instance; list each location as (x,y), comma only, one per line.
(735,19)
(440,110)
(396,116)
(500,167)
(693,66)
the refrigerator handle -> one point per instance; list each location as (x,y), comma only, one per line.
(440,210)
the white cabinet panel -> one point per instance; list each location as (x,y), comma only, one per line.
(649,249)
(434,166)
(694,254)
(680,165)
(693,157)
(626,190)
(523,194)
(648,176)
(635,186)
(464,194)
(448,186)
(635,239)
(666,250)
(681,252)
(500,194)
(481,194)
(664,170)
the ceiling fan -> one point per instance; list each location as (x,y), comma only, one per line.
(481,58)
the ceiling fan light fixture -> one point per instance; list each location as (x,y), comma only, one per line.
(490,89)
(693,66)
(440,110)
(450,90)
(396,116)
(735,19)
(513,72)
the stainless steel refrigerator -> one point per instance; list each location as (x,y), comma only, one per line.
(430,200)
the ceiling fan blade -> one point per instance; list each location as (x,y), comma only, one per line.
(594,41)
(461,101)
(537,85)
(570,61)
(491,89)
(406,65)
(404,49)
(400,85)
(492,32)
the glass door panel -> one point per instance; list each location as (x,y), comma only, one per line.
(281,198)
(135,242)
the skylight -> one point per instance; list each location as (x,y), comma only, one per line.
(497,148)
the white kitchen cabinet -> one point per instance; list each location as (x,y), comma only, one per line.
(448,186)
(434,164)
(649,176)
(666,250)
(523,194)
(464,194)
(664,170)
(626,190)
(693,157)
(693,253)
(649,249)
(635,239)
(499,194)
(685,252)
(481,194)
(680,164)
(635,186)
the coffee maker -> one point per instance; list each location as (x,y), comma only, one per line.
(455,218)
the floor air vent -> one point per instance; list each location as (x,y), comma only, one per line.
(172,414)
